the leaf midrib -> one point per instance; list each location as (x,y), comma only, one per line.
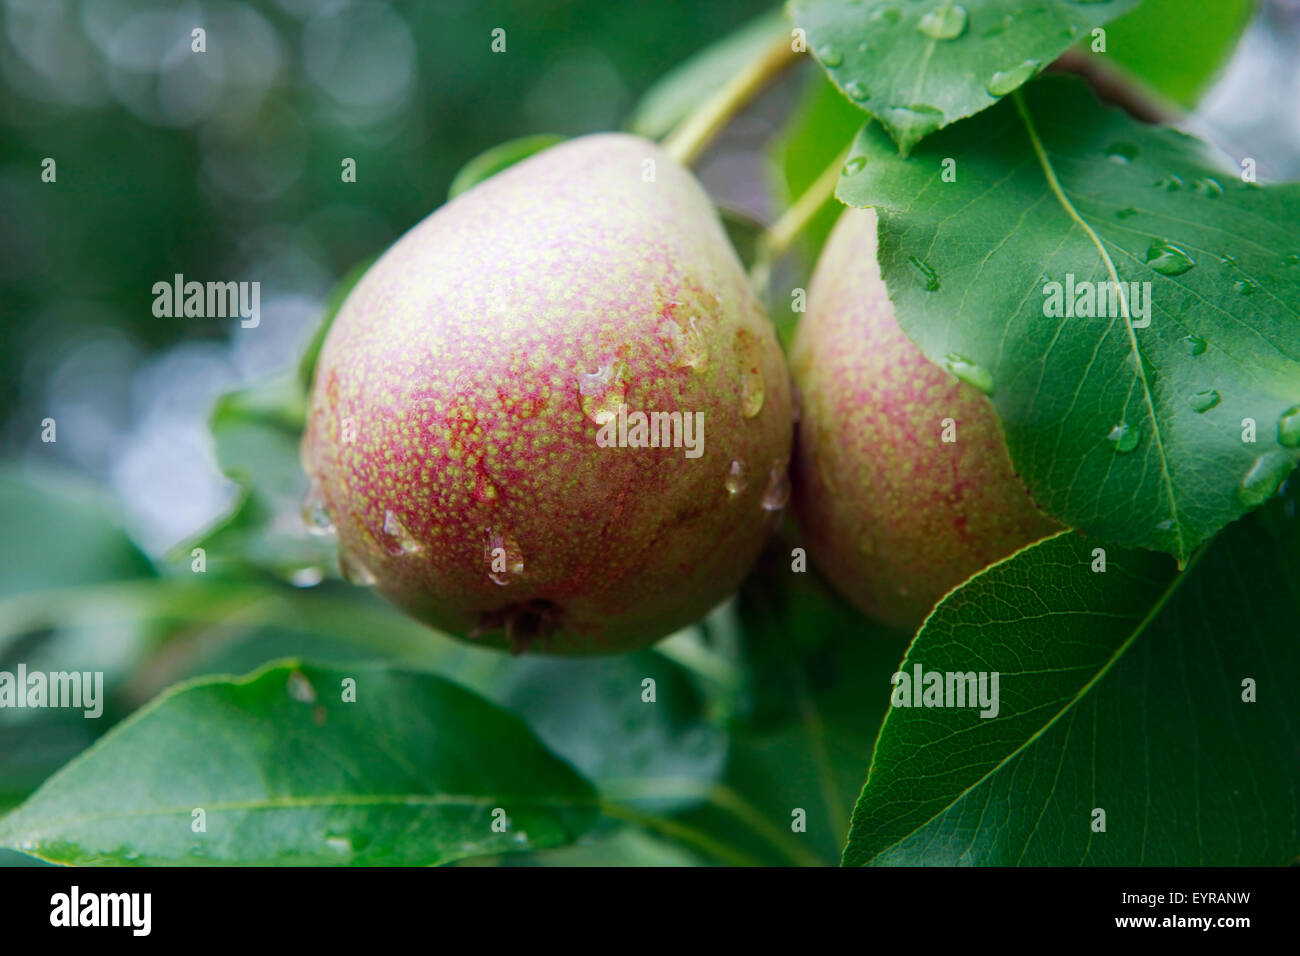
(946,9)
(1058,191)
(1151,615)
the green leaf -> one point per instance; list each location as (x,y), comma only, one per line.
(683,88)
(804,728)
(288,773)
(1119,691)
(36,743)
(805,646)
(919,67)
(198,604)
(279,403)
(657,755)
(502,156)
(59,534)
(1139,42)
(257,433)
(1134,434)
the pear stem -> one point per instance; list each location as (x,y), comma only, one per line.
(698,130)
(778,237)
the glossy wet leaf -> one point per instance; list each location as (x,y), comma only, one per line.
(917,67)
(659,754)
(1119,692)
(805,718)
(287,772)
(1097,410)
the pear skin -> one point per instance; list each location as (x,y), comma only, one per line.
(893,515)
(473,430)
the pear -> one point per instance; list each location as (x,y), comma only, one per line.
(554,416)
(893,515)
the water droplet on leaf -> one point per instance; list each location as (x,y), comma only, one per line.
(1209,188)
(928,275)
(1204,401)
(1004,81)
(300,688)
(1288,427)
(1167,259)
(1124,437)
(944,23)
(1123,153)
(970,372)
(913,122)
(889,13)
(1264,478)
(854,165)
(830,55)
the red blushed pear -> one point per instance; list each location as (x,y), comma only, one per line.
(894,516)
(453,443)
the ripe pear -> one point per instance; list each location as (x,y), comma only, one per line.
(553,415)
(894,516)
